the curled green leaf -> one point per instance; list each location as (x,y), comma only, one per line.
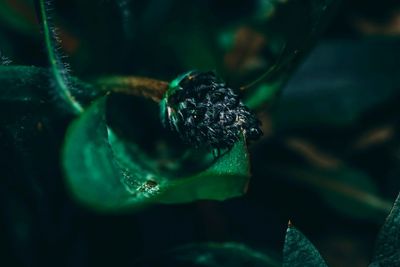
(109,173)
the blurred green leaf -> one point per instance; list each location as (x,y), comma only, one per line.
(299,251)
(353,193)
(211,255)
(108,173)
(18,15)
(288,44)
(387,248)
(349,191)
(338,82)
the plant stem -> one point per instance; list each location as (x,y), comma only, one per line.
(57,68)
(134,85)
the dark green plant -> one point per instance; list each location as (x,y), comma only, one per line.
(103,134)
(298,251)
(109,171)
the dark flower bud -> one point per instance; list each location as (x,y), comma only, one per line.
(205,112)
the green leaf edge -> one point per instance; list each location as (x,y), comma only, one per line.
(167,194)
(305,253)
(387,247)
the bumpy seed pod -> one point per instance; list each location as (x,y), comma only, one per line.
(205,112)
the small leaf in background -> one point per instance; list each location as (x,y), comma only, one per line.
(16,15)
(387,248)
(211,255)
(338,82)
(286,43)
(110,174)
(354,194)
(299,251)
(349,191)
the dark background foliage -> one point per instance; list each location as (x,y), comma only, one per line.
(328,161)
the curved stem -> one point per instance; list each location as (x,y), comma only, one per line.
(134,85)
(57,68)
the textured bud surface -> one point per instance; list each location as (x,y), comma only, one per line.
(205,112)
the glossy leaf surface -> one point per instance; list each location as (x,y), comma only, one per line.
(108,173)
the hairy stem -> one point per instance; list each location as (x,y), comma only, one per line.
(58,70)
